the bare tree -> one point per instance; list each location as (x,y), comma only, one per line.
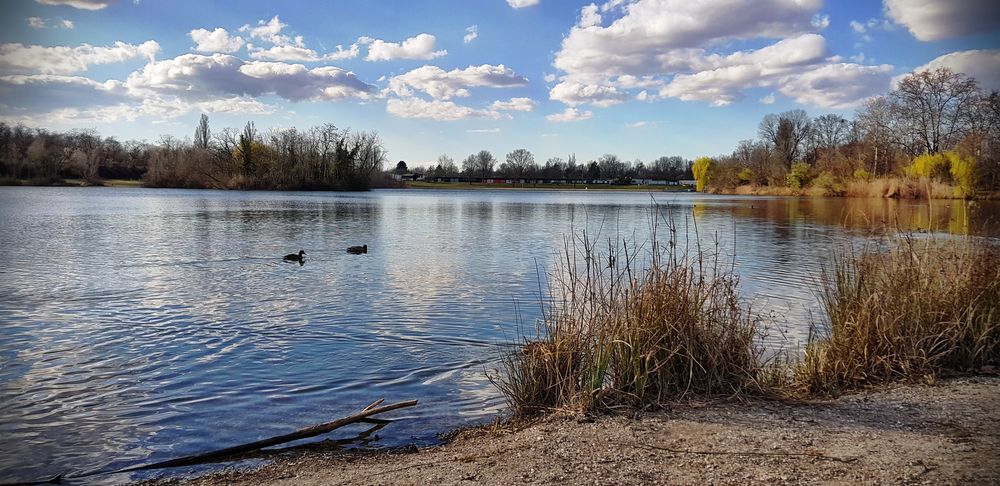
(202,134)
(519,162)
(830,131)
(787,133)
(937,107)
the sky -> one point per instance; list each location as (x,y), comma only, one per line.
(637,78)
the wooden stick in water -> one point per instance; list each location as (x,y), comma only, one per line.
(362,416)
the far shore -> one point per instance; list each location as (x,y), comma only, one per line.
(945,433)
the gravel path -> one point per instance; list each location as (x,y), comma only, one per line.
(946,433)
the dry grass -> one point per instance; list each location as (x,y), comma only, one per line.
(617,334)
(901,188)
(905,309)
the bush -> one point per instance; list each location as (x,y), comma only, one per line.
(963,173)
(746,175)
(828,184)
(862,175)
(799,175)
(933,166)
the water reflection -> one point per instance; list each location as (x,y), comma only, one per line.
(162,323)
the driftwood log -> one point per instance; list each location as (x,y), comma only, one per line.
(364,416)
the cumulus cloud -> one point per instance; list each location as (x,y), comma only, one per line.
(471,32)
(521,3)
(435,110)
(443,85)
(768,100)
(67,24)
(676,48)
(930,20)
(48,92)
(839,85)
(574,93)
(514,104)
(217,40)
(198,78)
(270,31)
(570,114)
(36,22)
(983,65)
(80,4)
(589,16)
(66,60)
(420,46)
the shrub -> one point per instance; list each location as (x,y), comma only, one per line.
(799,175)
(963,173)
(862,175)
(934,166)
(746,175)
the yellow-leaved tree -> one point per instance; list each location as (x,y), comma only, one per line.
(702,170)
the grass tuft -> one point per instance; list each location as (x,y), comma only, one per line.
(905,309)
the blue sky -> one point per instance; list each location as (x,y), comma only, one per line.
(638,78)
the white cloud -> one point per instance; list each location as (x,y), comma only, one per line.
(441,84)
(570,114)
(858,27)
(654,35)
(820,22)
(589,17)
(483,130)
(514,104)
(550,78)
(638,124)
(574,93)
(198,78)
(285,53)
(236,105)
(217,40)
(67,24)
(341,53)
(768,100)
(678,48)
(270,31)
(435,110)
(521,3)
(80,4)
(65,59)
(36,22)
(930,20)
(420,46)
(839,86)
(471,32)
(983,65)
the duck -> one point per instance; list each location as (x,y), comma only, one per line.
(357,250)
(293,257)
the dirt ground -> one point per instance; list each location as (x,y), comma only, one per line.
(946,433)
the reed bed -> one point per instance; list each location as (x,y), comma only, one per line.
(904,308)
(635,327)
(631,327)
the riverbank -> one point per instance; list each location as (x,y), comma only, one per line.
(579,187)
(945,433)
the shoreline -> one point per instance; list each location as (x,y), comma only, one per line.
(945,433)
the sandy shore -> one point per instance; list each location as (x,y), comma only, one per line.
(946,433)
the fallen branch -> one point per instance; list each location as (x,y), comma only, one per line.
(363,416)
(813,455)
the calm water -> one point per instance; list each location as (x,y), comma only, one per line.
(137,325)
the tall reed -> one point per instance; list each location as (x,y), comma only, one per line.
(905,308)
(635,326)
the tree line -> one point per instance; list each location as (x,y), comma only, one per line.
(322,157)
(520,164)
(936,124)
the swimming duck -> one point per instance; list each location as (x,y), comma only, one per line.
(292,257)
(357,250)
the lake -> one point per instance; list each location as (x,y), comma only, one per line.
(138,325)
